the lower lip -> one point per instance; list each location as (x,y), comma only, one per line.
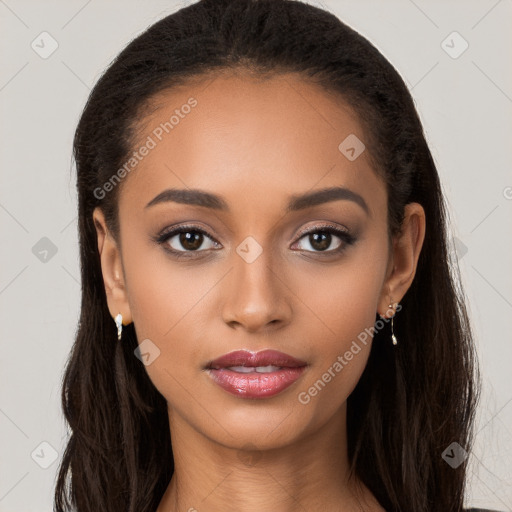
(255,385)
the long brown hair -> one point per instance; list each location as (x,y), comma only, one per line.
(412,400)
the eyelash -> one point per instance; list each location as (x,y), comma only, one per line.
(345,236)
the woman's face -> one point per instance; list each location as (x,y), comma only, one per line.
(254,280)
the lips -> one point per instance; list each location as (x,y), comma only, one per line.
(259,359)
(255,375)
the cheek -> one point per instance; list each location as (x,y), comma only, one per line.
(338,322)
(163,294)
(171,306)
(340,301)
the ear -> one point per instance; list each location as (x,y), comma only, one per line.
(112,269)
(403,258)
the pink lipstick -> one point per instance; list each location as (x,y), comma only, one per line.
(255,375)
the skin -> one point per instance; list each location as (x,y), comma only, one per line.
(256,143)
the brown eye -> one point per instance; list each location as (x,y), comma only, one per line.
(191,240)
(319,241)
(322,239)
(186,239)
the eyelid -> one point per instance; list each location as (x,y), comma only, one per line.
(176,230)
(319,227)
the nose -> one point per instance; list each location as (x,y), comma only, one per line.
(256,297)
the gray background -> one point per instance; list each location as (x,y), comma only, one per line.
(465,104)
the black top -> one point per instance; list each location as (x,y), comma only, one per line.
(480,510)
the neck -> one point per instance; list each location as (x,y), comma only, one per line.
(310,474)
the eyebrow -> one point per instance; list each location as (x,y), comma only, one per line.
(297,202)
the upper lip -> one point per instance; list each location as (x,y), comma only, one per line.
(253,359)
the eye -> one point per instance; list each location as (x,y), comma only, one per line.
(320,239)
(186,239)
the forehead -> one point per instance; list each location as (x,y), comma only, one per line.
(236,134)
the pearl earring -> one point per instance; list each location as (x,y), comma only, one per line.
(393,337)
(119,324)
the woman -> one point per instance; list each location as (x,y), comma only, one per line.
(271,317)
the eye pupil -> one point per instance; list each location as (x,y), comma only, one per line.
(323,244)
(191,240)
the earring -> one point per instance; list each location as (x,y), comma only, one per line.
(119,324)
(393,337)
